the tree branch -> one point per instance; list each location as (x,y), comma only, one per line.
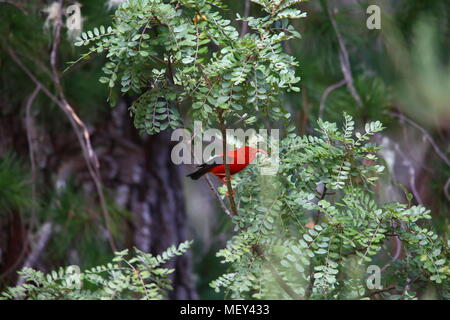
(234,211)
(209,182)
(222,204)
(226,164)
(82,135)
(16,4)
(398,250)
(244,28)
(310,287)
(79,127)
(41,243)
(345,61)
(31,138)
(372,293)
(281,282)
(327,92)
(439,152)
(446,192)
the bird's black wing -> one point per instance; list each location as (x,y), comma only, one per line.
(206,167)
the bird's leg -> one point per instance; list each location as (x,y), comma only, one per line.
(233,193)
(224,180)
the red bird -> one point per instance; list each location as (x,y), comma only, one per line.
(237,159)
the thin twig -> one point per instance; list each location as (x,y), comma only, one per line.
(345,61)
(222,203)
(372,293)
(78,125)
(327,92)
(408,163)
(41,243)
(234,211)
(425,133)
(19,6)
(226,164)
(281,281)
(36,61)
(80,129)
(398,251)
(31,137)
(241,119)
(412,173)
(208,180)
(322,196)
(446,192)
(310,287)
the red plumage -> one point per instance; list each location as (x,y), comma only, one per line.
(238,160)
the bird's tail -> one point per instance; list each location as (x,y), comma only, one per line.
(199,173)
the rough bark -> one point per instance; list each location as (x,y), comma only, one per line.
(148,184)
(139,171)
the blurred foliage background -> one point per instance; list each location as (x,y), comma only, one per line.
(401,76)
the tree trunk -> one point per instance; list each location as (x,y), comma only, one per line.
(139,171)
(150,186)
